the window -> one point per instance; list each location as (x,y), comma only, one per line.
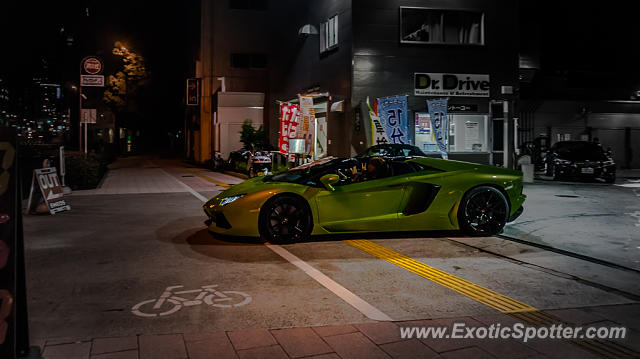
(246,61)
(467,133)
(248,4)
(438,26)
(329,34)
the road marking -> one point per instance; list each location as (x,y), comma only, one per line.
(189,189)
(343,293)
(504,304)
(209,179)
(358,303)
(481,294)
(203,295)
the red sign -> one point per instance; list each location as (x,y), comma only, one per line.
(288,125)
(92,65)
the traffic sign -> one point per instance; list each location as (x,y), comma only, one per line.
(88,115)
(92,80)
(92,65)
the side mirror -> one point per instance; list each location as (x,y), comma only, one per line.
(329,180)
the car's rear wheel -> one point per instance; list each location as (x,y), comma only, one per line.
(483,211)
(285,219)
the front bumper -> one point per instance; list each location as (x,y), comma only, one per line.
(586,172)
(232,220)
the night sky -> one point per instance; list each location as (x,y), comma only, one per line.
(31,31)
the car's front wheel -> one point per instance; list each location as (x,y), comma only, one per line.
(285,219)
(483,211)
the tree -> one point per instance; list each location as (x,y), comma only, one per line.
(123,87)
(253,139)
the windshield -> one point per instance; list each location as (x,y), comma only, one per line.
(306,174)
(580,151)
(393,151)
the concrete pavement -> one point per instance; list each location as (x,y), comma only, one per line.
(593,219)
(89,268)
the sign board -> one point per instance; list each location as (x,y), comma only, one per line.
(50,189)
(449,85)
(92,65)
(88,115)
(92,80)
(462,108)
(193,92)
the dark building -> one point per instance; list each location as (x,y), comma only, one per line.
(579,78)
(343,52)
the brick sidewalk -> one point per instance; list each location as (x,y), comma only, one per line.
(368,340)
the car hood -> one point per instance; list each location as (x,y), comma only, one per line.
(257,184)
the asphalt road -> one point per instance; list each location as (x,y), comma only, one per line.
(593,219)
(87,269)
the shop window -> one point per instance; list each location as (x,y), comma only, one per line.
(467,133)
(248,4)
(329,34)
(246,61)
(439,26)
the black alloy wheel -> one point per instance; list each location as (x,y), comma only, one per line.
(483,211)
(285,219)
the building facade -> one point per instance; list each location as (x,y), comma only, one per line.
(343,52)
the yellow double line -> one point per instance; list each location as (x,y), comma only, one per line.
(479,293)
(502,303)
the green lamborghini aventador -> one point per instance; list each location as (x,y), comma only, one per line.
(371,194)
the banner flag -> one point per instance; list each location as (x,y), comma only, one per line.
(439,123)
(393,112)
(288,125)
(379,136)
(308,128)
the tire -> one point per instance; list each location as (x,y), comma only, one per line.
(483,211)
(285,219)
(611,179)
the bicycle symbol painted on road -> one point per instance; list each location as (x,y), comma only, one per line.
(172,301)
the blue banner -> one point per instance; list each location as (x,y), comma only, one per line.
(439,123)
(393,113)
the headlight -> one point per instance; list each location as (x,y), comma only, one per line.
(225,201)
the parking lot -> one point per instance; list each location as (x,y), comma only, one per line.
(142,234)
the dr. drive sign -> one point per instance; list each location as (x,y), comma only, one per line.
(438,84)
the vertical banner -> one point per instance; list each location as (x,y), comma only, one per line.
(379,136)
(393,115)
(308,125)
(439,123)
(288,123)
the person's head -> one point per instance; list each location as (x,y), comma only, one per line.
(375,164)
